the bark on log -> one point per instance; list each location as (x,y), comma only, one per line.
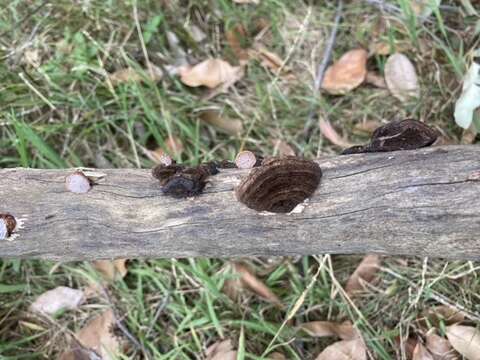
(423,202)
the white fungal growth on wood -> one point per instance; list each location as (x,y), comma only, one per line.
(78,183)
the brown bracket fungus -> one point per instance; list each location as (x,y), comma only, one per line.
(406,134)
(179,181)
(7,225)
(279,184)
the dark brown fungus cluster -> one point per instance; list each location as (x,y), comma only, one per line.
(279,184)
(181,181)
(406,134)
(7,225)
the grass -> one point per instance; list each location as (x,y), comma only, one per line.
(57,110)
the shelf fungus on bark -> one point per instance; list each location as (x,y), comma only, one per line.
(279,184)
(405,134)
(8,223)
(181,181)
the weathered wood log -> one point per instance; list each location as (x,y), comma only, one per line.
(423,202)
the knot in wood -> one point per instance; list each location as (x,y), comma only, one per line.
(279,184)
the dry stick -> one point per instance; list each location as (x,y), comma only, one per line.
(322,67)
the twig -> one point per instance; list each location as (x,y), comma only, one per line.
(322,67)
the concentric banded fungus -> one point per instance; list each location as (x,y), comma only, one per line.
(279,184)
(179,181)
(7,225)
(406,134)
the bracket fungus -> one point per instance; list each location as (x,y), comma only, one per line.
(405,134)
(279,184)
(8,223)
(180,181)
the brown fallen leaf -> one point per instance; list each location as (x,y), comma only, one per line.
(227,125)
(465,339)
(344,350)
(347,73)
(368,126)
(420,353)
(282,148)
(271,61)
(58,299)
(374,79)
(445,314)
(221,350)
(331,134)
(210,73)
(98,335)
(132,75)
(235,39)
(365,272)
(247,1)
(174,145)
(439,347)
(248,280)
(277,356)
(401,77)
(406,346)
(111,270)
(344,330)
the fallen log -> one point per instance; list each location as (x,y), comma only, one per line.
(423,202)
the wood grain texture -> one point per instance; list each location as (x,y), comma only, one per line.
(419,202)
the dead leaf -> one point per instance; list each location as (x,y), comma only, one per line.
(347,73)
(283,148)
(210,73)
(111,270)
(271,61)
(420,353)
(277,356)
(227,125)
(465,339)
(235,37)
(401,77)
(58,299)
(406,346)
(344,350)
(444,313)
(439,347)
(344,330)
(32,57)
(247,279)
(98,336)
(365,272)
(237,75)
(374,79)
(256,2)
(132,75)
(331,134)
(221,350)
(368,126)
(469,100)
(174,145)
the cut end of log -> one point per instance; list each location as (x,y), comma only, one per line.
(245,160)
(78,183)
(7,225)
